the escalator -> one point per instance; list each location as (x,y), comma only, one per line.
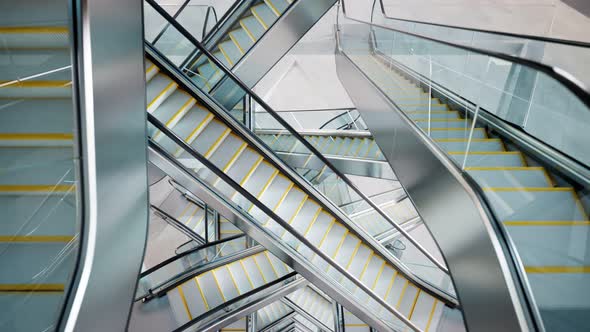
(481,122)
(191,130)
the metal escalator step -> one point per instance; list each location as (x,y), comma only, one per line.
(34,37)
(230,52)
(415,115)
(475,144)
(277,6)
(226,282)
(510,176)
(36,89)
(30,311)
(264,15)
(490,159)
(158,89)
(253,28)
(242,39)
(239,275)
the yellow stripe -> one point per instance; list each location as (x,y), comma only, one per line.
(235,156)
(327,231)
(168,87)
(414,303)
(37,188)
(393,278)
(431,112)
(401,296)
(259,269)
(197,208)
(431,315)
(235,41)
(340,243)
(378,275)
(217,142)
(547,223)
(37,238)
(32,287)
(252,169)
(370,147)
(356,153)
(201,292)
(218,285)
(150,68)
(225,55)
(205,121)
(33,30)
(557,269)
(467,140)
(177,114)
(270,262)
(253,10)
(247,30)
(246,273)
(350,145)
(441,120)
(538,189)
(366,265)
(315,217)
(356,249)
(487,152)
(268,182)
(305,197)
(500,168)
(35,137)
(272,6)
(183,298)
(36,84)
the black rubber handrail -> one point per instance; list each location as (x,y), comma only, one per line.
(338,116)
(568,42)
(563,77)
(294,132)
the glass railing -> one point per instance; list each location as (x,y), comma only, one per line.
(325,119)
(275,227)
(312,166)
(544,217)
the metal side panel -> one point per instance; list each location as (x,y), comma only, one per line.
(274,245)
(482,272)
(281,37)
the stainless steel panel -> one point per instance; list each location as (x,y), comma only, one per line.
(459,221)
(109,51)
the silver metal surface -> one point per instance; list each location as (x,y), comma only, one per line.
(484,279)
(108,42)
(288,317)
(319,132)
(306,314)
(280,38)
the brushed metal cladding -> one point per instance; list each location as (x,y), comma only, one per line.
(108,48)
(458,221)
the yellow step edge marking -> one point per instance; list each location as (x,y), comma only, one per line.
(246,273)
(431,112)
(189,103)
(37,137)
(370,147)
(315,217)
(340,243)
(259,269)
(273,8)
(201,292)
(467,140)
(251,171)
(233,159)
(354,252)
(268,183)
(340,146)
(281,199)
(390,286)
(441,120)
(37,188)
(150,68)
(235,41)
(487,152)
(299,207)
(217,143)
(185,210)
(378,276)
(502,168)
(35,84)
(557,269)
(547,223)
(431,315)
(170,85)
(401,296)
(32,287)
(243,25)
(321,172)
(366,265)
(358,150)
(225,55)
(20,30)
(414,303)
(537,189)
(253,10)
(326,233)
(270,262)
(190,218)
(184,303)
(198,128)
(218,285)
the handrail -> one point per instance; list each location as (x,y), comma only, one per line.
(571,83)
(230,11)
(276,218)
(293,132)
(209,9)
(178,12)
(177,224)
(499,33)
(338,116)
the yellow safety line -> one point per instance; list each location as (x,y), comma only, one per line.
(431,112)
(183,298)
(340,146)
(233,159)
(354,252)
(349,147)
(217,143)
(401,297)
(268,182)
(218,285)
(321,172)
(441,120)
(340,243)
(252,169)
(467,140)
(305,197)
(34,84)
(378,275)
(370,147)
(37,188)
(326,233)
(36,238)
(231,63)
(270,262)
(414,304)
(150,68)
(272,6)
(259,269)
(190,218)
(315,217)
(36,136)
(197,129)
(502,168)
(557,269)
(364,140)
(20,30)
(540,189)
(324,142)
(201,292)
(487,152)
(168,87)
(182,108)
(243,25)
(547,223)
(32,287)
(233,39)
(253,10)
(366,265)
(246,273)
(431,315)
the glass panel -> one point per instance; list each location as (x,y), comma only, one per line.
(39,239)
